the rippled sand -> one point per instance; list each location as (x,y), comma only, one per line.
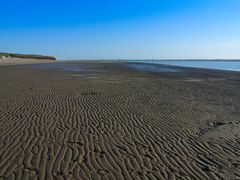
(113,122)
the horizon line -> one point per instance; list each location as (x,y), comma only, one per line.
(180,59)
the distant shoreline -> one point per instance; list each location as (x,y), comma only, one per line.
(4,55)
(148,59)
(16,61)
(226,65)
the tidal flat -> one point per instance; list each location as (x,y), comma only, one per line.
(112,120)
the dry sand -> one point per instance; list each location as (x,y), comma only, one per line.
(118,123)
(15,61)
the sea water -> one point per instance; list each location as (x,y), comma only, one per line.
(229,65)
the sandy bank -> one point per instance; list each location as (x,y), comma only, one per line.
(15,61)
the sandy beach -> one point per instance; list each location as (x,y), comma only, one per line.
(112,121)
(16,61)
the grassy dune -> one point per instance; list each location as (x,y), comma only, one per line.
(26,56)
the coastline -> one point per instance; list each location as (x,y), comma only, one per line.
(17,61)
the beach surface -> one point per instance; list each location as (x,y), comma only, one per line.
(116,120)
(17,61)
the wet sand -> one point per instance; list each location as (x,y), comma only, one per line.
(111,121)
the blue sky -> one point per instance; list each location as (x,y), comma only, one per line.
(150,29)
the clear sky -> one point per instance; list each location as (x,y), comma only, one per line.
(121,29)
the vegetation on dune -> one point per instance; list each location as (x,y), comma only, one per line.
(26,56)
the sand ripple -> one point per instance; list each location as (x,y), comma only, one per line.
(55,126)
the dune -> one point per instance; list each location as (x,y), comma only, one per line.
(124,124)
(25,56)
(19,59)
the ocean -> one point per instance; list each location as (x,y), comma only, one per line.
(230,65)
